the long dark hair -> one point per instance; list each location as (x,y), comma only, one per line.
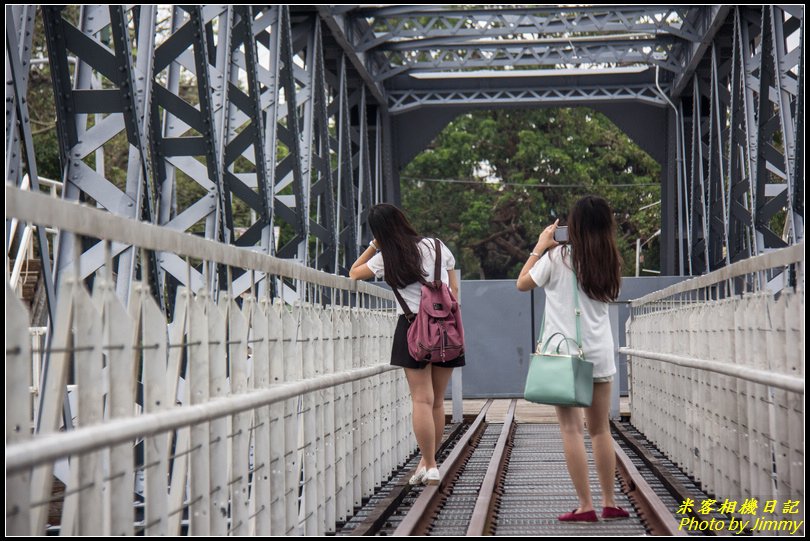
(398,241)
(597,261)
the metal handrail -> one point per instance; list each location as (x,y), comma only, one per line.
(85,220)
(777,258)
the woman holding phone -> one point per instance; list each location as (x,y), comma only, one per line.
(588,247)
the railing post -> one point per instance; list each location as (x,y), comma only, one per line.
(613,313)
(455,385)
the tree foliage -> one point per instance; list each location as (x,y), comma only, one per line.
(491,226)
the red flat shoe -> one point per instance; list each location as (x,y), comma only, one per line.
(612,513)
(573,516)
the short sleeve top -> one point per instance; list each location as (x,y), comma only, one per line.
(553,273)
(412,293)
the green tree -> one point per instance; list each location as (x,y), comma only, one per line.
(545,159)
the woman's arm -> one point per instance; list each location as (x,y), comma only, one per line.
(360,270)
(525,282)
(451,276)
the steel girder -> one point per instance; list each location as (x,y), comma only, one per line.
(418,39)
(442,39)
(19,139)
(705,21)
(346,209)
(538,54)
(322,191)
(364,174)
(344,30)
(744,169)
(105,97)
(229,111)
(19,31)
(415,23)
(401,101)
(188,141)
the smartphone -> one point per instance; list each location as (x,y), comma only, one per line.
(561,234)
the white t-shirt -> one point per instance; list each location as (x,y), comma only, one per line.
(556,276)
(412,294)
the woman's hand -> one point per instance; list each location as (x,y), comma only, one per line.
(546,238)
(360,270)
(544,242)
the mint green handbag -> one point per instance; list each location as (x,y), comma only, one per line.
(557,378)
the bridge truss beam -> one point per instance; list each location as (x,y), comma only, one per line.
(269,127)
(247,125)
(739,130)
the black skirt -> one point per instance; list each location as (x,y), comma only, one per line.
(401,357)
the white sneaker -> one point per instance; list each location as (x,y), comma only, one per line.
(418,477)
(432,477)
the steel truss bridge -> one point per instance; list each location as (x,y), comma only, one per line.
(232,377)
(305,115)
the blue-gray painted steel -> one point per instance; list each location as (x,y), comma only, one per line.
(498,336)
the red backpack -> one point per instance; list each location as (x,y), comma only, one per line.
(436,333)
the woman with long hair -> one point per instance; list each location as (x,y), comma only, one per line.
(404,258)
(592,254)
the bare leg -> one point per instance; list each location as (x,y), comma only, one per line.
(576,459)
(419,382)
(604,454)
(441,376)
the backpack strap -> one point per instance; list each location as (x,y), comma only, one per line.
(437,277)
(408,314)
(437,270)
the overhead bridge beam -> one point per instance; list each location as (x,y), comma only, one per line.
(404,101)
(392,24)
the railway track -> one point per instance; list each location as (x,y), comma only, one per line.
(510,479)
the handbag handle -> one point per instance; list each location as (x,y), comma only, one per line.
(565,340)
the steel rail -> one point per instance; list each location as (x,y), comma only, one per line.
(484,506)
(419,515)
(659,519)
(383,511)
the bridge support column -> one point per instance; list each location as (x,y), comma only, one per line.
(669,202)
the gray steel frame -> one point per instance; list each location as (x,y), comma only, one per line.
(744,167)
(207,107)
(212,104)
(442,38)
(442,57)
(562,96)
(422,23)
(19,35)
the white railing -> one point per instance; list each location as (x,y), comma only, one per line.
(246,416)
(717,377)
(25,248)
